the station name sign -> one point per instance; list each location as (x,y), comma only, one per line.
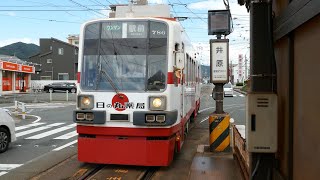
(219,60)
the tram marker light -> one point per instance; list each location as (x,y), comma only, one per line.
(80,116)
(150,118)
(161,118)
(89,116)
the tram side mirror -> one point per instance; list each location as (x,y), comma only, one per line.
(179,60)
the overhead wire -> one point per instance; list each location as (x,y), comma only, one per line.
(186,6)
(51,20)
(73,1)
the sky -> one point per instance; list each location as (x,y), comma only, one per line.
(29,20)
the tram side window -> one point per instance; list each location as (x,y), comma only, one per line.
(91,39)
(157,58)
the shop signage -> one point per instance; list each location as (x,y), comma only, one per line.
(28,69)
(16,67)
(10,66)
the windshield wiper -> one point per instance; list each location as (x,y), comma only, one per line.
(107,77)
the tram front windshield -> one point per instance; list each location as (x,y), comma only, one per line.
(125,56)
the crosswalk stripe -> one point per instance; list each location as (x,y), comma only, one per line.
(48,133)
(37,129)
(7,167)
(68,135)
(27,126)
(66,145)
(3,173)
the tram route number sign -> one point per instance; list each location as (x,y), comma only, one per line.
(219,60)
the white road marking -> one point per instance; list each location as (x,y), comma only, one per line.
(30,111)
(7,167)
(49,133)
(38,118)
(200,111)
(66,145)
(203,120)
(38,129)
(3,173)
(241,95)
(27,126)
(68,135)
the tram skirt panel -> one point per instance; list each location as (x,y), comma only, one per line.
(219,133)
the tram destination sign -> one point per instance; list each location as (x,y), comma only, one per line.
(219,60)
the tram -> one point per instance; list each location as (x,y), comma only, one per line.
(138,90)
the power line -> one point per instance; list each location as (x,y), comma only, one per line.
(193,12)
(86,7)
(50,9)
(51,20)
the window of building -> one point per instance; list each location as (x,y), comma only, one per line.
(75,52)
(50,48)
(45,77)
(60,51)
(63,76)
(49,60)
(76,42)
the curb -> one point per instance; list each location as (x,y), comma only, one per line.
(39,165)
(239,91)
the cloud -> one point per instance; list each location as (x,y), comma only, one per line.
(5,42)
(11,13)
(105,12)
(157,1)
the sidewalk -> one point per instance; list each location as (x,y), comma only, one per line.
(208,165)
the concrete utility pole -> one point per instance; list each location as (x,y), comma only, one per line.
(262,75)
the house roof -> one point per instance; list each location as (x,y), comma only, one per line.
(44,54)
(54,39)
(12,59)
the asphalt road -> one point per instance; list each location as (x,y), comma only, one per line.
(53,130)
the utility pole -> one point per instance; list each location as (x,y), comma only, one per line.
(263,81)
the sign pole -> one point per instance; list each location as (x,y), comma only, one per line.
(219,122)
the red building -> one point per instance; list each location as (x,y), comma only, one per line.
(15,75)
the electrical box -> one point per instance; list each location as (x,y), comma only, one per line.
(261,123)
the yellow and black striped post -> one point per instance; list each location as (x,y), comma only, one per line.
(219,132)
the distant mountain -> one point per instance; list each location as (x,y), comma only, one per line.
(20,50)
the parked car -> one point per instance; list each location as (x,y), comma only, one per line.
(7,130)
(227,90)
(71,87)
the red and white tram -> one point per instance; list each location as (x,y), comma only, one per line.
(138,91)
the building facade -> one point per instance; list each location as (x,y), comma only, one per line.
(15,75)
(297,37)
(58,60)
(73,39)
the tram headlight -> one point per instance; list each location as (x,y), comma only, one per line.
(85,102)
(157,103)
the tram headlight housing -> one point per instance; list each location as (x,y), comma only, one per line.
(157,103)
(85,102)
